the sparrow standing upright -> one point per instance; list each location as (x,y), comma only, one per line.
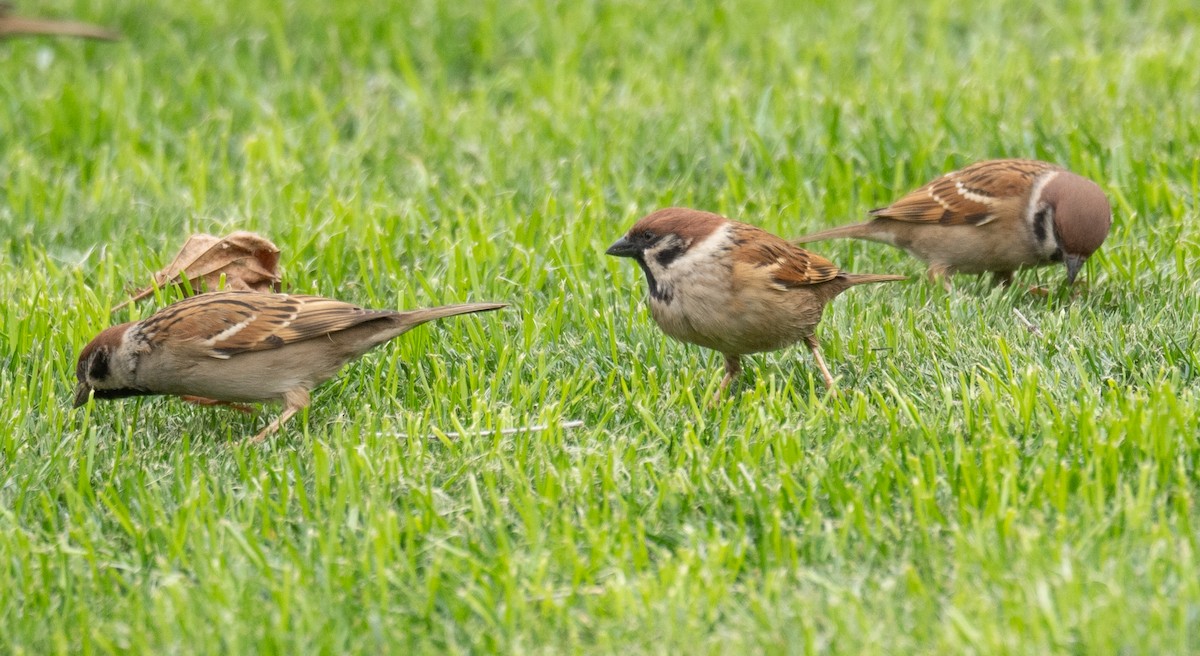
(732,287)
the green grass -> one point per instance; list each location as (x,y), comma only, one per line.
(975,487)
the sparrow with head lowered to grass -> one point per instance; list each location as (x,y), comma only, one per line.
(241,347)
(732,287)
(993,216)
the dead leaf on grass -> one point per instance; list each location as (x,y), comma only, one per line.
(245,260)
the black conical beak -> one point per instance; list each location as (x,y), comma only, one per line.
(623,248)
(82,393)
(1074,264)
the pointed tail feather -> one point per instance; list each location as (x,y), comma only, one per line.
(868,278)
(404,321)
(413,318)
(858,230)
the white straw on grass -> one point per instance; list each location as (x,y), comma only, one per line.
(566,425)
(1028,324)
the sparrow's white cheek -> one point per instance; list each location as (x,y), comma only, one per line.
(122,363)
(705,249)
(1035,195)
(695,261)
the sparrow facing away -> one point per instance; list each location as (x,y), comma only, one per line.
(239,347)
(732,287)
(998,215)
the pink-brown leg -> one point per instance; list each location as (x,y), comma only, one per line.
(815,347)
(1002,278)
(939,273)
(293,401)
(733,367)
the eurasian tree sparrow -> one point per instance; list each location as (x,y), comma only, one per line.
(237,347)
(998,216)
(732,287)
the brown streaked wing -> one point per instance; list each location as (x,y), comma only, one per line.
(791,266)
(1001,178)
(943,201)
(222,324)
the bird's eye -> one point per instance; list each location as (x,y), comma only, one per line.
(649,237)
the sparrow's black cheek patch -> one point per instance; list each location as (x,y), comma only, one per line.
(98,365)
(666,257)
(1039,224)
(656,292)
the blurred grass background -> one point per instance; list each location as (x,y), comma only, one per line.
(975,487)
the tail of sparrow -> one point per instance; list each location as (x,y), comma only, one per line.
(856,231)
(867,278)
(413,318)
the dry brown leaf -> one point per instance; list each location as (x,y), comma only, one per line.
(17,26)
(247,261)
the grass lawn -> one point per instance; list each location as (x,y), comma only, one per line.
(975,487)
